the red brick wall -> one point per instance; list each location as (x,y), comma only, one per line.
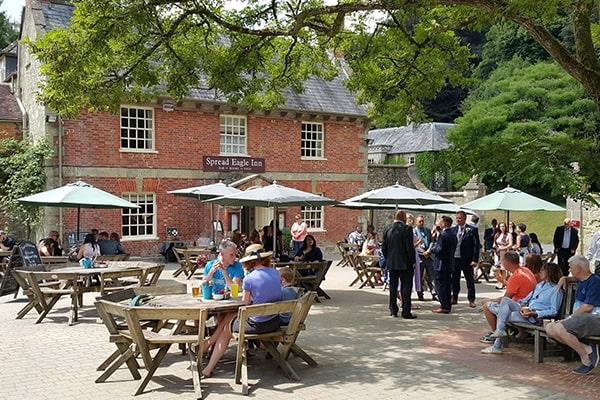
(10,130)
(182,138)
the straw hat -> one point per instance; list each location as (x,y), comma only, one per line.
(255,252)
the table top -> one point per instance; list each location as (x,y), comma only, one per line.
(110,267)
(188,301)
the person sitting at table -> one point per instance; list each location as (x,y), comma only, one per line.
(224,270)
(309,252)
(287,291)
(89,248)
(262,284)
(534,263)
(371,245)
(46,247)
(542,302)
(6,242)
(109,247)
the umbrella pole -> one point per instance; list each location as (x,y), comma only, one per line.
(78,216)
(275,224)
(507,219)
(212,222)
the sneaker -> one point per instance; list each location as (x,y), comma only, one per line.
(498,333)
(594,356)
(584,369)
(491,350)
(487,338)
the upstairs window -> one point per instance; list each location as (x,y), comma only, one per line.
(311,145)
(137,128)
(233,135)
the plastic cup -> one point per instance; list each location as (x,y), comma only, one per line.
(234,290)
(206,292)
(195,291)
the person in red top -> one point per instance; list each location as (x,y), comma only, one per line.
(299,231)
(519,285)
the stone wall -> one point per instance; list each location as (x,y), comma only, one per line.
(590,217)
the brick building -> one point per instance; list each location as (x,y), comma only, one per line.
(314,142)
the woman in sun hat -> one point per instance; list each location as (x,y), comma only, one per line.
(262,284)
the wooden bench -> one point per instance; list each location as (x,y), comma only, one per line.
(285,337)
(313,277)
(115,257)
(540,343)
(188,260)
(53,262)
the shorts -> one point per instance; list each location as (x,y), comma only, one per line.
(582,325)
(257,327)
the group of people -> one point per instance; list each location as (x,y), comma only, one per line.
(501,237)
(100,244)
(260,283)
(411,251)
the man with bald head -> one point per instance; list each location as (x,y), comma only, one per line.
(399,252)
(566,240)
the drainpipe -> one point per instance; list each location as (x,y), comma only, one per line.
(61,128)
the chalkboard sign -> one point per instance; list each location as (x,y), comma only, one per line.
(25,257)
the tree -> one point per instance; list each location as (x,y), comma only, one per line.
(117,49)
(8,33)
(22,173)
(526,126)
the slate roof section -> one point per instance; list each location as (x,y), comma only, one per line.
(319,96)
(9,108)
(11,49)
(57,14)
(412,139)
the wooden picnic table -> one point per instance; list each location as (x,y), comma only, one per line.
(76,280)
(188,259)
(309,275)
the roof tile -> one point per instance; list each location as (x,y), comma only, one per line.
(9,108)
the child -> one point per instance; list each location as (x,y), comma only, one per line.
(287,292)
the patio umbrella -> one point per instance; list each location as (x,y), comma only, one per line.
(206,192)
(77,195)
(511,199)
(274,195)
(441,208)
(399,196)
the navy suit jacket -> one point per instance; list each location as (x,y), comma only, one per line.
(444,251)
(470,245)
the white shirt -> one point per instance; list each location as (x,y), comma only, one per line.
(594,250)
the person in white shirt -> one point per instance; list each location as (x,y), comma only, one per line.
(594,252)
(356,237)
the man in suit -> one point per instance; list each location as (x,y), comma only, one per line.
(399,253)
(426,262)
(466,257)
(443,265)
(566,240)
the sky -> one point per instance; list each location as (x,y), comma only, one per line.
(12,8)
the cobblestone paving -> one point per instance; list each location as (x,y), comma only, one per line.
(361,351)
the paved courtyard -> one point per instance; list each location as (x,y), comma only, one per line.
(361,351)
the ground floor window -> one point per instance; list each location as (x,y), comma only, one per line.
(139,223)
(313,216)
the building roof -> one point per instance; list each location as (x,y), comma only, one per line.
(411,138)
(11,49)
(319,96)
(9,108)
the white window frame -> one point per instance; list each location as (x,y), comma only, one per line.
(308,219)
(135,198)
(223,135)
(152,129)
(412,160)
(321,141)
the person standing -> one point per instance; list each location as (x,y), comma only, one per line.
(466,257)
(594,252)
(443,264)
(399,253)
(566,240)
(425,260)
(488,237)
(299,232)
